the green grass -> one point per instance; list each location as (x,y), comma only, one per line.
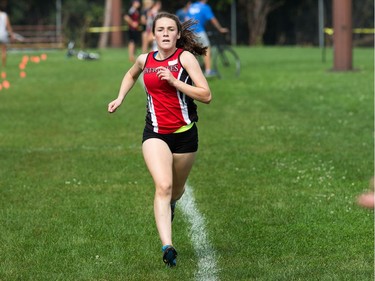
(284,151)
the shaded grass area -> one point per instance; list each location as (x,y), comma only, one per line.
(284,151)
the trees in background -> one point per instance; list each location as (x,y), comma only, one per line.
(257,12)
(297,23)
(259,22)
(77,16)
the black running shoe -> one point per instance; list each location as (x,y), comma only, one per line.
(169,256)
(173,207)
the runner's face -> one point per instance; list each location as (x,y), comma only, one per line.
(166,33)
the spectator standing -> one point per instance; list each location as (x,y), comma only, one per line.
(367,199)
(133,19)
(151,10)
(5,32)
(202,13)
(146,6)
(182,13)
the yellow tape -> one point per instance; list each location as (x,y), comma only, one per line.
(329,31)
(106,29)
(364,30)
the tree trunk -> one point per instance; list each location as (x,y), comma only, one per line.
(116,35)
(343,35)
(103,40)
(257,12)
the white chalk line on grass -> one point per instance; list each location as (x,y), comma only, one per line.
(207,266)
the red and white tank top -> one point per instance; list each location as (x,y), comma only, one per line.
(167,108)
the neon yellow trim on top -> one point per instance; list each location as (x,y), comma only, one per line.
(184,128)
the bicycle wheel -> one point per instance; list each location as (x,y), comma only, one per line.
(227,63)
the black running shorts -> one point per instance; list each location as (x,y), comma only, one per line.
(184,142)
(134,36)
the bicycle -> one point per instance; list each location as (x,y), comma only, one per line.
(81,55)
(225,60)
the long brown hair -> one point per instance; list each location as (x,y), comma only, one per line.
(188,39)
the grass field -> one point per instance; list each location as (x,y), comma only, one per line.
(284,151)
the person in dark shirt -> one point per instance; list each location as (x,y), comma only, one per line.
(133,19)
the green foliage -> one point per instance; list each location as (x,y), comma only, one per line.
(32,12)
(284,151)
(222,5)
(78,16)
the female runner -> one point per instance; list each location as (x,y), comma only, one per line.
(173,82)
